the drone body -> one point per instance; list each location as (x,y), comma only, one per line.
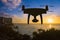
(35,12)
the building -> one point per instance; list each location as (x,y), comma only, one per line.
(5,19)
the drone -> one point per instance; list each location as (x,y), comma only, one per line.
(35,12)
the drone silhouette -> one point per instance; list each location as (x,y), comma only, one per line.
(35,12)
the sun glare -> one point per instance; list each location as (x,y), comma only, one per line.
(50,20)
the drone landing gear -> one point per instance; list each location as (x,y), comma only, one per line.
(41,18)
(28,18)
(35,20)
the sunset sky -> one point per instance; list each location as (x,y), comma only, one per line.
(13,8)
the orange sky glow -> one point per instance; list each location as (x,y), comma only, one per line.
(47,19)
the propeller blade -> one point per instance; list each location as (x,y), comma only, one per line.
(50,5)
(50,11)
(27,5)
(45,5)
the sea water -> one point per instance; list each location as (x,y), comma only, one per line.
(30,28)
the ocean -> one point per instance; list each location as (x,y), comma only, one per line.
(30,28)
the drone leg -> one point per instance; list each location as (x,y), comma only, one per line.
(41,18)
(28,18)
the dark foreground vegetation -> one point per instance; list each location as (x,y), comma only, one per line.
(7,33)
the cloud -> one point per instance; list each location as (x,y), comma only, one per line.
(11,3)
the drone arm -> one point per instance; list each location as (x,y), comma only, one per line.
(41,18)
(28,18)
(23,7)
(47,7)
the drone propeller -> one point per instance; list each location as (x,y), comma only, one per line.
(27,5)
(40,6)
(50,11)
(45,5)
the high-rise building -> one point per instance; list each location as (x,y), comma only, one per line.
(5,19)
